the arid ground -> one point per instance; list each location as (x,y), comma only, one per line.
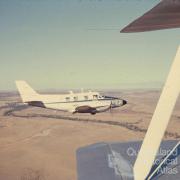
(40,144)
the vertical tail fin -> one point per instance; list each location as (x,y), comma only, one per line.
(26,92)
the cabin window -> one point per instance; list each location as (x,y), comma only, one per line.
(86,97)
(95,96)
(67,99)
(100,97)
(75,98)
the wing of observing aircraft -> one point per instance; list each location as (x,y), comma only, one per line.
(115,161)
(165,15)
(143,161)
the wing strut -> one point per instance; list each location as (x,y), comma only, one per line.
(159,122)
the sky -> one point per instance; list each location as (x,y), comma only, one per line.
(63,44)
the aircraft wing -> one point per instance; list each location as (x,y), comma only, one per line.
(104,161)
(114,161)
(164,15)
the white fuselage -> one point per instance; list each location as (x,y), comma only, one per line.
(83,102)
(69,102)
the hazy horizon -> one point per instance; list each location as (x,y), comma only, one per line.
(99,89)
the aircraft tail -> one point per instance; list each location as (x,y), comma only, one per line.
(26,92)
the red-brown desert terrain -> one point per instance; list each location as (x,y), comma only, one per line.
(41,144)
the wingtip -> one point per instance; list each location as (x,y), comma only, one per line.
(124,30)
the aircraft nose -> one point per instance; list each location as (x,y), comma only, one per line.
(118,102)
(124,102)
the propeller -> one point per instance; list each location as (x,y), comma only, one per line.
(111,109)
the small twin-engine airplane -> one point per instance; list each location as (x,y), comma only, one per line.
(83,102)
